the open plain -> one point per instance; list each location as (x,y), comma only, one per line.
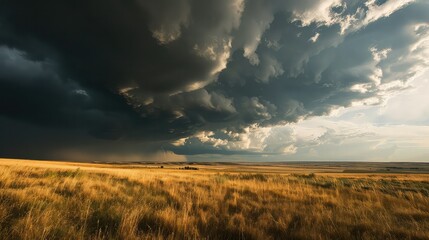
(314,200)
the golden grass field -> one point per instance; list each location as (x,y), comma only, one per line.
(57,200)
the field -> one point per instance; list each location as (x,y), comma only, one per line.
(58,200)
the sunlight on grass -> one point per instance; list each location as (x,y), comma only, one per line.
(75,203)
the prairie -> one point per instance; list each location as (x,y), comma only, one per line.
(64,200)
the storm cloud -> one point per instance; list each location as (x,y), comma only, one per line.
(195,77)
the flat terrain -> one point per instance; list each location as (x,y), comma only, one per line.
(66,200)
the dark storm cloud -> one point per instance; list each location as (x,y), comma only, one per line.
(120,44)
(199,74)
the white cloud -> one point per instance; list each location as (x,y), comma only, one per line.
(376,11)
(319,13)
(322,13)
(252,140)
(410,106)
(314,38)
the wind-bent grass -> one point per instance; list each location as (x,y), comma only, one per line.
(49,203)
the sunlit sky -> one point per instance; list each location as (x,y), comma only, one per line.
(396,130)
(215,80)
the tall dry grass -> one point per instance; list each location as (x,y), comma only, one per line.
(41,203)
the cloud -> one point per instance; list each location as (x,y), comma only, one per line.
(314,38)
(200,77)
(252,140)
(355,135)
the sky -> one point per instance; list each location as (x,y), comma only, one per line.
(215,80)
